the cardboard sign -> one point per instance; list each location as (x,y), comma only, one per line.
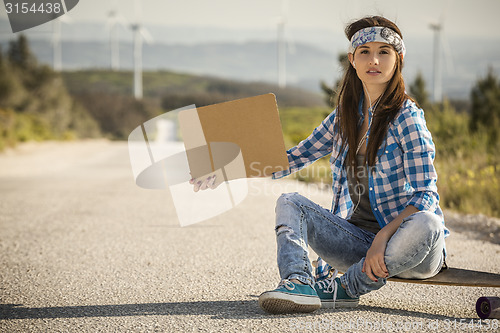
(232,141)
(248,127)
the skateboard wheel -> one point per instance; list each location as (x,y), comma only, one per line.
(488,307)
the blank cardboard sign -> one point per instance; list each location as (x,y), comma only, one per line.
(249,128)
(234,141)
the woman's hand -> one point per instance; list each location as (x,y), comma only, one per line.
(204,183)
(374,264)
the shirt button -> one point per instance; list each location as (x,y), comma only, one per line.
(371,188)
(387,152)
(375,208)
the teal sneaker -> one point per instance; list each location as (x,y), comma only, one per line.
(290,297)
(333,295)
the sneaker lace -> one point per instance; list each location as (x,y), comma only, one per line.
(287,283)
(330,286)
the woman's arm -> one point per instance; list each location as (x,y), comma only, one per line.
(418,157)
(374,264)
(318,144)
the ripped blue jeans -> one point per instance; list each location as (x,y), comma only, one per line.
(415,251)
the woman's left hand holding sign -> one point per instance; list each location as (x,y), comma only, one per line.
(204,183)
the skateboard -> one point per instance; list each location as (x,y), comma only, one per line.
(486,307)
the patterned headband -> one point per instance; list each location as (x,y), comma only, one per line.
(377,34)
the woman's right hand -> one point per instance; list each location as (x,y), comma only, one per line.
(204,183)
(374,264)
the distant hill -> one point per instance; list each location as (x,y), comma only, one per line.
(173,90)
(307,64)
(251,61)
(107,96)
(250,55)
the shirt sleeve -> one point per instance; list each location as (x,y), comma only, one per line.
(418,159)
(315,146)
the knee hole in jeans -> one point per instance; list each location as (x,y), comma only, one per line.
(283,228)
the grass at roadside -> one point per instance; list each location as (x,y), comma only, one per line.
(468,170)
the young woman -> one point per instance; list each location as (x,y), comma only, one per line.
(385,219)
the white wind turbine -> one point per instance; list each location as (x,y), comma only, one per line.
(436,68)
(439,42)
(139,33)
(282,43)
(56,41)
(114,21)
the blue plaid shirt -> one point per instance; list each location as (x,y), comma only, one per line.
(403,174)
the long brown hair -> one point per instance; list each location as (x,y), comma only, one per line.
(350,94)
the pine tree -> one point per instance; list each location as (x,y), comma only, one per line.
(331,92)
(419,92)
(10,88)
(485,113)
(20,55)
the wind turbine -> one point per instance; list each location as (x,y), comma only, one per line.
(282,44)
(114,19)
(139,33)
(436,81)
(440,40)
(56,41)
(281,53)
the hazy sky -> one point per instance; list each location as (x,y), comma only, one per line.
(468,17)
(461,17)
(317,22)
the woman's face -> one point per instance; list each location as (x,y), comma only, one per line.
(375,63)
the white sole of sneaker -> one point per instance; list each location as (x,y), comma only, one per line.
(277,302)
(339,304)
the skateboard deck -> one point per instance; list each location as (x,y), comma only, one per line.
(486,307)
(458,277)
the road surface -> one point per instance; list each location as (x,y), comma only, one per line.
(83,249)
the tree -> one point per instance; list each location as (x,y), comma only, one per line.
(117,115)
(20,55)
(34,102)
(419,92)
(485,113)
(331,92)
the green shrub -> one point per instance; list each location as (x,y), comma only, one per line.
(468,168)
(34,102)
(7,133)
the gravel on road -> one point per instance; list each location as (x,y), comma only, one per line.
(83,249)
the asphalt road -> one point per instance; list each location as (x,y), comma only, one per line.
(83,249)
